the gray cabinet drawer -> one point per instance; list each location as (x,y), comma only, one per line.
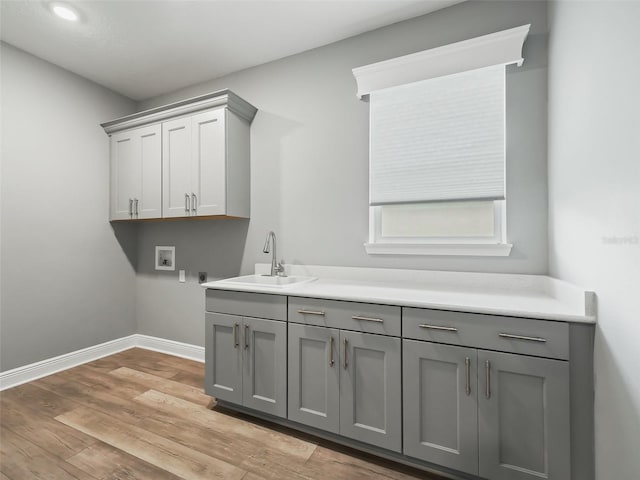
(360,317)
(247,304)
(507,334)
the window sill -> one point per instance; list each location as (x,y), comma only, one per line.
(468,250)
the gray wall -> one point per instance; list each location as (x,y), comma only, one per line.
(594,199)
(66,281)
(309,165)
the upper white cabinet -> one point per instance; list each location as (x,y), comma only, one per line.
(136,171)
(187,159)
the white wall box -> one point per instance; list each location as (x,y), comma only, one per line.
(186,159)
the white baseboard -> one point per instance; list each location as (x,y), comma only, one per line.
(33,371)
(171,347)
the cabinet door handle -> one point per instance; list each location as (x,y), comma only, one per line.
(131,207)
(135,203)
(235,335)
(194,202)
(487,370)
(246,336)
(310,312)
(344,353)
(367,319)
(520,337)
(467,365)
(187,203)
(438,327)
(331,362)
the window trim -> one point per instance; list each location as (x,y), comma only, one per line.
(494,246)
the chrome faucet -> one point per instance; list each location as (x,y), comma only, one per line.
(276,268)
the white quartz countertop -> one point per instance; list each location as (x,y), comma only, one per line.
(530,296)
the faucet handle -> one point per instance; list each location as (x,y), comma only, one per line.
(280,269)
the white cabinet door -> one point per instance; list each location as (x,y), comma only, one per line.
(136,170)
(208,173)
(125,174)
(149,195)
(176,167)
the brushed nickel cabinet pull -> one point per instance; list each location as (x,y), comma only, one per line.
(131,207)
(467,364)
(135,203)
(246,336)
(331,361)
(438,327)
(187,202)
(367,319)
(235,336)
(344,354)
(194,202)
(487,369)
(521,337)
(310,312)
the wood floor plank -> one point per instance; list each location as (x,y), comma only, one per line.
(51,436)
(147,418)
(345,465)
(223,424)
(192,394)
(171,456)
(45,401)
(21,459)
(106,463)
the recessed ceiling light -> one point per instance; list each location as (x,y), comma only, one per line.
(65,11)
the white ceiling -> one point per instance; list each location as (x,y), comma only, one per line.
(143,48)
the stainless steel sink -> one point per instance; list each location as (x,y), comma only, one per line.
(267,281)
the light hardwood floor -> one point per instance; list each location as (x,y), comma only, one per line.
(143,415)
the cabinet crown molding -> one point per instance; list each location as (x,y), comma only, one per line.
(219,98)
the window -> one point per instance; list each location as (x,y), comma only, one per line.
(437,148)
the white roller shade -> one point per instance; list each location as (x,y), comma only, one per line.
(439,139)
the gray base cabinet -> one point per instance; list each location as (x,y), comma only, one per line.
(314,377)
(523,417)
(371,389)
(441,404)
(497,415)
(347,383)
(246,362)
(482,395)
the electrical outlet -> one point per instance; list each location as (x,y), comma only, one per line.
(181,276)
(202,277)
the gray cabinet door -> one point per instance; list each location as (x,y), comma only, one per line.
(440,404)
(264,379)
(370,389)
(523,417)
(223,357)
(314,376)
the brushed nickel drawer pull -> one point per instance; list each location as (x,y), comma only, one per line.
(487,369)
(467,387)
(344,353)
(236,342)
(438,327)
(367,319)
(520,337)
(331,361)
(310,312)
